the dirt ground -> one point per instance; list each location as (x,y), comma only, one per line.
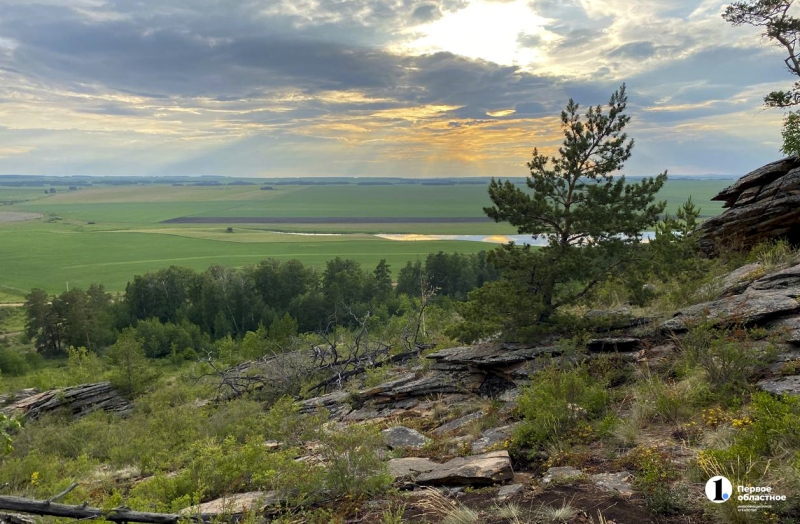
(14,216)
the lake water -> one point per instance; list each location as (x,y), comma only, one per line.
(492,239)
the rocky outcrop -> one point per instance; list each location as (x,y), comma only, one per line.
(236,504)
(475,470)
(762,205)
(403,437)
(770,301)
(77,400)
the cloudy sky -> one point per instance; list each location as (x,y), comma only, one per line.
(372,87)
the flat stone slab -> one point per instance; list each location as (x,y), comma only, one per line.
(747,308)
(475,470)
(789,384)
(492,437)
(458,423)
(235,504)
(561,474)
(736,281)
(409,468)
(784,279)
(403,437)
(489,355)
(619,482)
(506,492)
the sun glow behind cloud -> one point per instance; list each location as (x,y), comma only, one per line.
(482,30)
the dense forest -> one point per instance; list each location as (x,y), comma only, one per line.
(180,311)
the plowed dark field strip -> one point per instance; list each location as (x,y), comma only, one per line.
(326,220)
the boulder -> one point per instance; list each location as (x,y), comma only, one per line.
(561,474)
(409,468)
(762,205)
(507,492)
(475,470)
(77,400)
(619,482)
(403,437)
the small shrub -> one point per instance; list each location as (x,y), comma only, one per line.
(655,476)
(555,405)
(353,465)
(772,254)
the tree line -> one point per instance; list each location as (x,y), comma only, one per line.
(177,309)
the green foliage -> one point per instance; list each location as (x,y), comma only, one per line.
(728,356)
(130,372)
(591,219)
(353,465)
(773,253)
(790,132)
(556,405)
(7,426)
(83,366)
(654,476)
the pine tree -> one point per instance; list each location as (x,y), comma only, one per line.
(592,220)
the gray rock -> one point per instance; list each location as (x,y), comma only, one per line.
(757,178)
(386,387)
(492,437)
(337,404)
(489,355)
(785,279)
(77,400)
(735,282)
(476,470)
(747,308)
(764,205)
(403,437)
(789,385)
(409,468)
(458,423)
(619,482)
(786,329)
(561,474)
(509,491)
(236,504)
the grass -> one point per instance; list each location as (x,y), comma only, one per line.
(110,234)
(50,255)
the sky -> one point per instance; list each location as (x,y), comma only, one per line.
(411,88)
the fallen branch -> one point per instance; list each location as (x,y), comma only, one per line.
(45,507)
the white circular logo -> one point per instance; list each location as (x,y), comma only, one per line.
(719,489)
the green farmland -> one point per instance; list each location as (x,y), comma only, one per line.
(109,234)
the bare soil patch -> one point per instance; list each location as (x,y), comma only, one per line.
(14,216)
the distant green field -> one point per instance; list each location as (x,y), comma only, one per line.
(110,234)
(51,255)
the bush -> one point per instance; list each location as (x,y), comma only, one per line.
(352,463)
(727,356)
(12,362)
(557,403)
(655,476)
